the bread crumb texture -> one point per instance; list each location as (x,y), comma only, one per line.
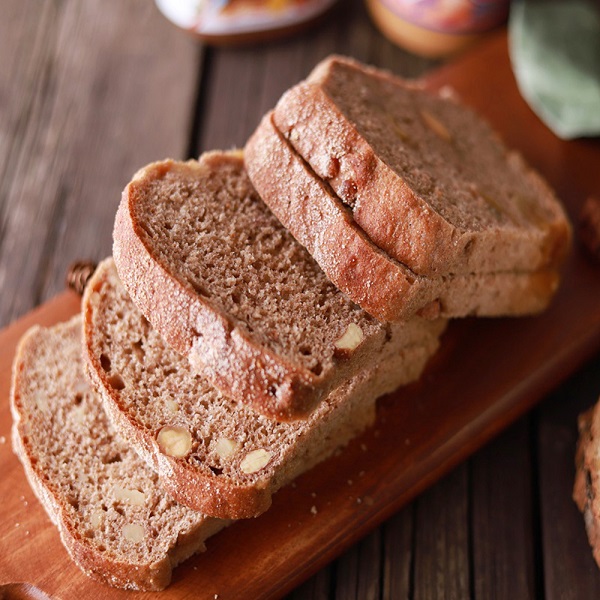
(207,225)
(216,441)
(108,504)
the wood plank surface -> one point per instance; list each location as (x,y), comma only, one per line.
(502,529)
(357,571)
(24,31)
(91,99)
(442,540)
(398,536)
(488,373)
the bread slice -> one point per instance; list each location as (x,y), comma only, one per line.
(211,453)
(425,180)
(428,180)
(226,285)
(586,491)
(115,521)
(384,287)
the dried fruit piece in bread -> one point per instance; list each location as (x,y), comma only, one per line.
(211,453)
(226,285)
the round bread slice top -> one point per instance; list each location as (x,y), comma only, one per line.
(228,286)
(425,178)
(211,453)
(114,519)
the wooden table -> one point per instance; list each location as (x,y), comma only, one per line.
(92,90)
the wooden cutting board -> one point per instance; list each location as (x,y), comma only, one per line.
(487,373)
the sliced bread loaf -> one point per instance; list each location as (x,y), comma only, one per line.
(211,453)
(424,177)
(226,285)
(384,287)
(116,522)
(426,183)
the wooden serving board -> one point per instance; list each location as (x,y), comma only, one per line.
(487,373)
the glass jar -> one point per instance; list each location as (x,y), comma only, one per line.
(227,22)
(435,28)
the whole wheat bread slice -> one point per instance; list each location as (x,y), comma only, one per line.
(230,459)
(424,177)
(115,521)
(227,286)
(384,287)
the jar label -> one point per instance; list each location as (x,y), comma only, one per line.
(234,17)
(451,16)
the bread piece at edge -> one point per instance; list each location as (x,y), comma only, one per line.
(394,215)
(134,572)
(146,386)
(379,284)
(245,364)
(586,490)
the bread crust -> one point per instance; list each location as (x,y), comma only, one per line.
(294,447)
(219,344)
(321,224)
(223,352)
(153,576)
(381,285)
(208,495)
(394,216)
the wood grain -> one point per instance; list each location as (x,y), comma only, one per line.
(503,547)
(398,547)
(76,134)
(357,571)
(487,374)
(27,31)
(442,540)
(317,587)
(24,30)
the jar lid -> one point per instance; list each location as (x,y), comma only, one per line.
(228,21)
